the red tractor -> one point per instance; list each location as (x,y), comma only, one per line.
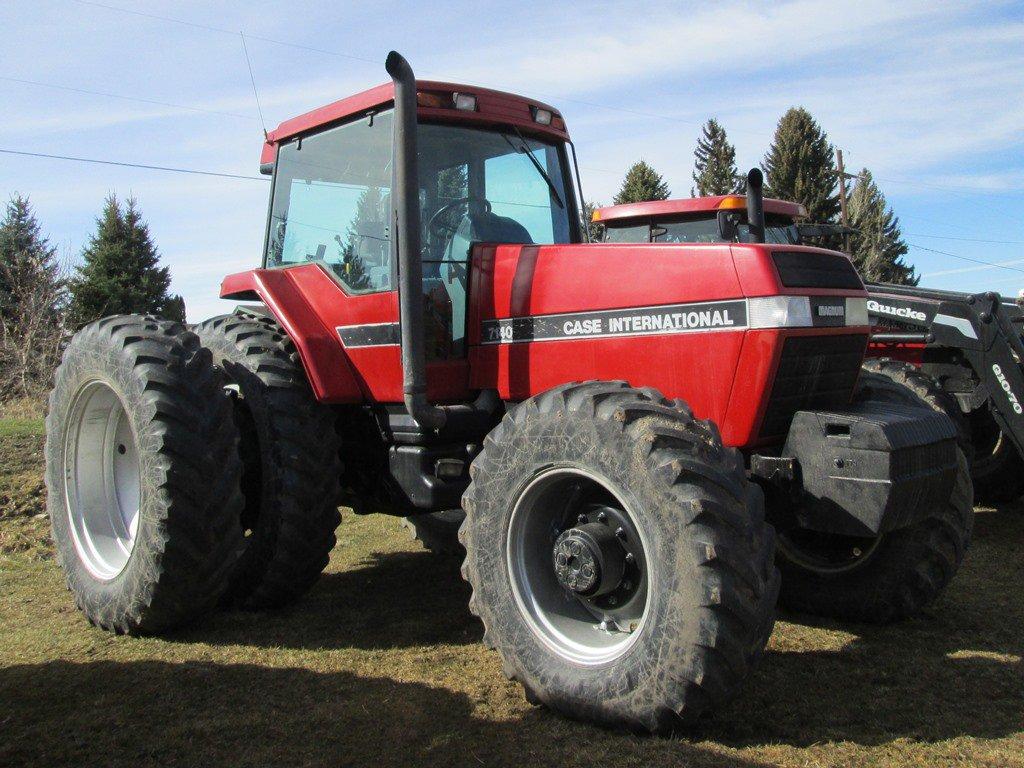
(429,332)
(960,352)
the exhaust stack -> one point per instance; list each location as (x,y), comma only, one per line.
(405,246)
(755,205)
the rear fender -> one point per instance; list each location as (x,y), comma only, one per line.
(328,369)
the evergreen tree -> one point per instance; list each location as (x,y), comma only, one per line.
(25,254)
(121,273)
(594,228)
(641,183)
(799,166)
(877,246)
(365,237)
(714,168)
(32,303)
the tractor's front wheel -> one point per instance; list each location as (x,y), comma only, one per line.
(619,559)
(291,466)
(142,473)
(879,579)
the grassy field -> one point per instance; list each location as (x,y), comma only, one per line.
(381,665)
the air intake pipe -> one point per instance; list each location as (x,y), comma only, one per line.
(755,205)
(405,246)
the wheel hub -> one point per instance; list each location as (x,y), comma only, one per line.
(588,560)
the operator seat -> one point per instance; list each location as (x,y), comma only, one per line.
(475,227)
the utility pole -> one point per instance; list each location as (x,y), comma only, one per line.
(843,215)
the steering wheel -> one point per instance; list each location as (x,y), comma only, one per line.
(436,223)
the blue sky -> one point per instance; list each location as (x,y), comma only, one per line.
(928,95)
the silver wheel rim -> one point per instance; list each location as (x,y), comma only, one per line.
(102,480)
(568,625)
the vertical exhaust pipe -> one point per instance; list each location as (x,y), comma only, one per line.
(405,246)
(755,205)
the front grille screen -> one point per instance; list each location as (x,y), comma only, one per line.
(815,372)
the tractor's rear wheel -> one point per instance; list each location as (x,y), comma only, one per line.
(291,465)
(883,578)
(619,559)
(438,532)
(142,473)
(997,468)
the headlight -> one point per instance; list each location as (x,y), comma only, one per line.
(856,311)
(780,312)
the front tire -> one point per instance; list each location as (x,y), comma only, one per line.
(594,479)
(142,473)
(889,577)
(291,461)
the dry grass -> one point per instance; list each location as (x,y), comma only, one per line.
(381,665)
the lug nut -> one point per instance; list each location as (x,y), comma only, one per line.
(602,517)
(630,558)
(620,533)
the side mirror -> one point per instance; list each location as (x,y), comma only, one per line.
(728,225)
(656,232)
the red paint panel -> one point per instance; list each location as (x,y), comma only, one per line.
(330,375)
(362,373)
(492,107)
(908,353)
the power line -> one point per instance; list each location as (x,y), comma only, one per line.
(966,258)
(968,239)
(133,165)
(210,28)
(124,98)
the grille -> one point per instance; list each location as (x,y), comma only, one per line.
(816,270)
(815,372)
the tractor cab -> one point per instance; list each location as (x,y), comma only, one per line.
(712,219)
(492,167)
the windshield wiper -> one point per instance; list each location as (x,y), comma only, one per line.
(524,149)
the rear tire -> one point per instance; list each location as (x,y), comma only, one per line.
(997,469)
(893,576)
(142,473)
(438,532)
(291,462)
(703,565)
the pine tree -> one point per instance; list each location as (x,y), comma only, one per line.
(714,167)
(121,273)
(595,229)
(641,183)
(32,303)
(877,246)
(799,166)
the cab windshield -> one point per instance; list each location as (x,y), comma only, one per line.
(699,228)
(331,205)
(332,197)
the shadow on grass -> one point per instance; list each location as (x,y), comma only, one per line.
(155,713)
(954,671)
(393,600)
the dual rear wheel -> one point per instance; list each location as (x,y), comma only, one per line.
(153,434)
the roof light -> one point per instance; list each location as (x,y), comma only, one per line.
(732,202)
(464,101)
(542,116)
(596,215)
(801,211)
(427,99)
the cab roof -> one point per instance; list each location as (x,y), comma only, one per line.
(714,203)
(435,101)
